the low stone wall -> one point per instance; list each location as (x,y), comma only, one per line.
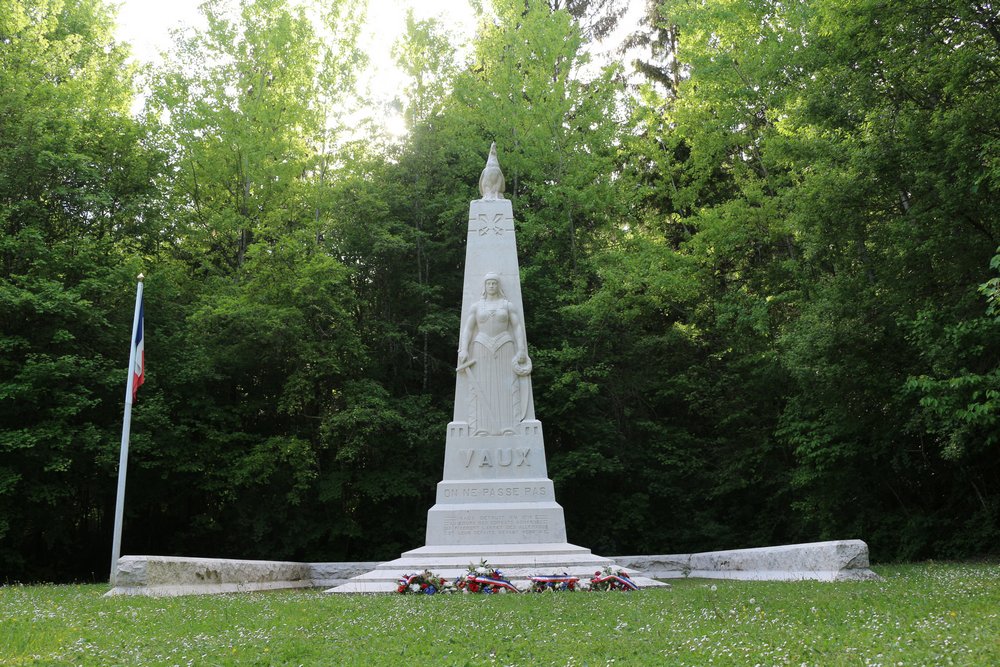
(328,575)
(843,560)
(839,560)
(174,575)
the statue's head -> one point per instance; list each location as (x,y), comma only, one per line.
(492,286)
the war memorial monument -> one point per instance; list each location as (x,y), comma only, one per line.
(495,501)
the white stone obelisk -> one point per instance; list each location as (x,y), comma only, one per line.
(495,501)
(495,488)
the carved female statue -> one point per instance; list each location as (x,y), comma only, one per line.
(493,354)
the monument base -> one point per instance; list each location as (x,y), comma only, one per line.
(500,523)
(518,562)
(842,560)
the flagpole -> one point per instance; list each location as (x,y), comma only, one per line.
(126,426)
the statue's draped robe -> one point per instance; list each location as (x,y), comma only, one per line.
(495,400)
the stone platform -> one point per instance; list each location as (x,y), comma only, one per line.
(518,562)
(843,560)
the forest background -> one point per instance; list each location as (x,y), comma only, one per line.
(760,276)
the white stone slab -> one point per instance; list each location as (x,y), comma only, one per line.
(325,575)
(838,560)
(170,575)
(165,576)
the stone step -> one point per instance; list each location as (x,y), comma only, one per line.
(517,562)
(387,581)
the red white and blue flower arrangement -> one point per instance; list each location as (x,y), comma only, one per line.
(554,582)
(483,578)
(425,583)
(612,580)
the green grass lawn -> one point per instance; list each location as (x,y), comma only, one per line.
(927,614)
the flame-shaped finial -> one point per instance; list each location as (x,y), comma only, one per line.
(491,183)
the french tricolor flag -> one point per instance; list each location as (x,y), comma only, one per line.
(136,376)
(139,366)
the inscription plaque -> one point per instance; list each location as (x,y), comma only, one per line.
(529,527)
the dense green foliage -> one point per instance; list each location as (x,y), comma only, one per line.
(934,614)
(760,281)
(76,213)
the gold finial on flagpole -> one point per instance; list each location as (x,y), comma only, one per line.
(141,277)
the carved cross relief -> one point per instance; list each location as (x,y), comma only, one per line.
(485,225)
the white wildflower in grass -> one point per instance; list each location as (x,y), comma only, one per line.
(918,615)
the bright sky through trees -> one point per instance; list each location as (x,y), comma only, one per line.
(147,26)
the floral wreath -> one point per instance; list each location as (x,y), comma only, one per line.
(554,582)
(425,583)
(486,579)
(610,579)
(483,578)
